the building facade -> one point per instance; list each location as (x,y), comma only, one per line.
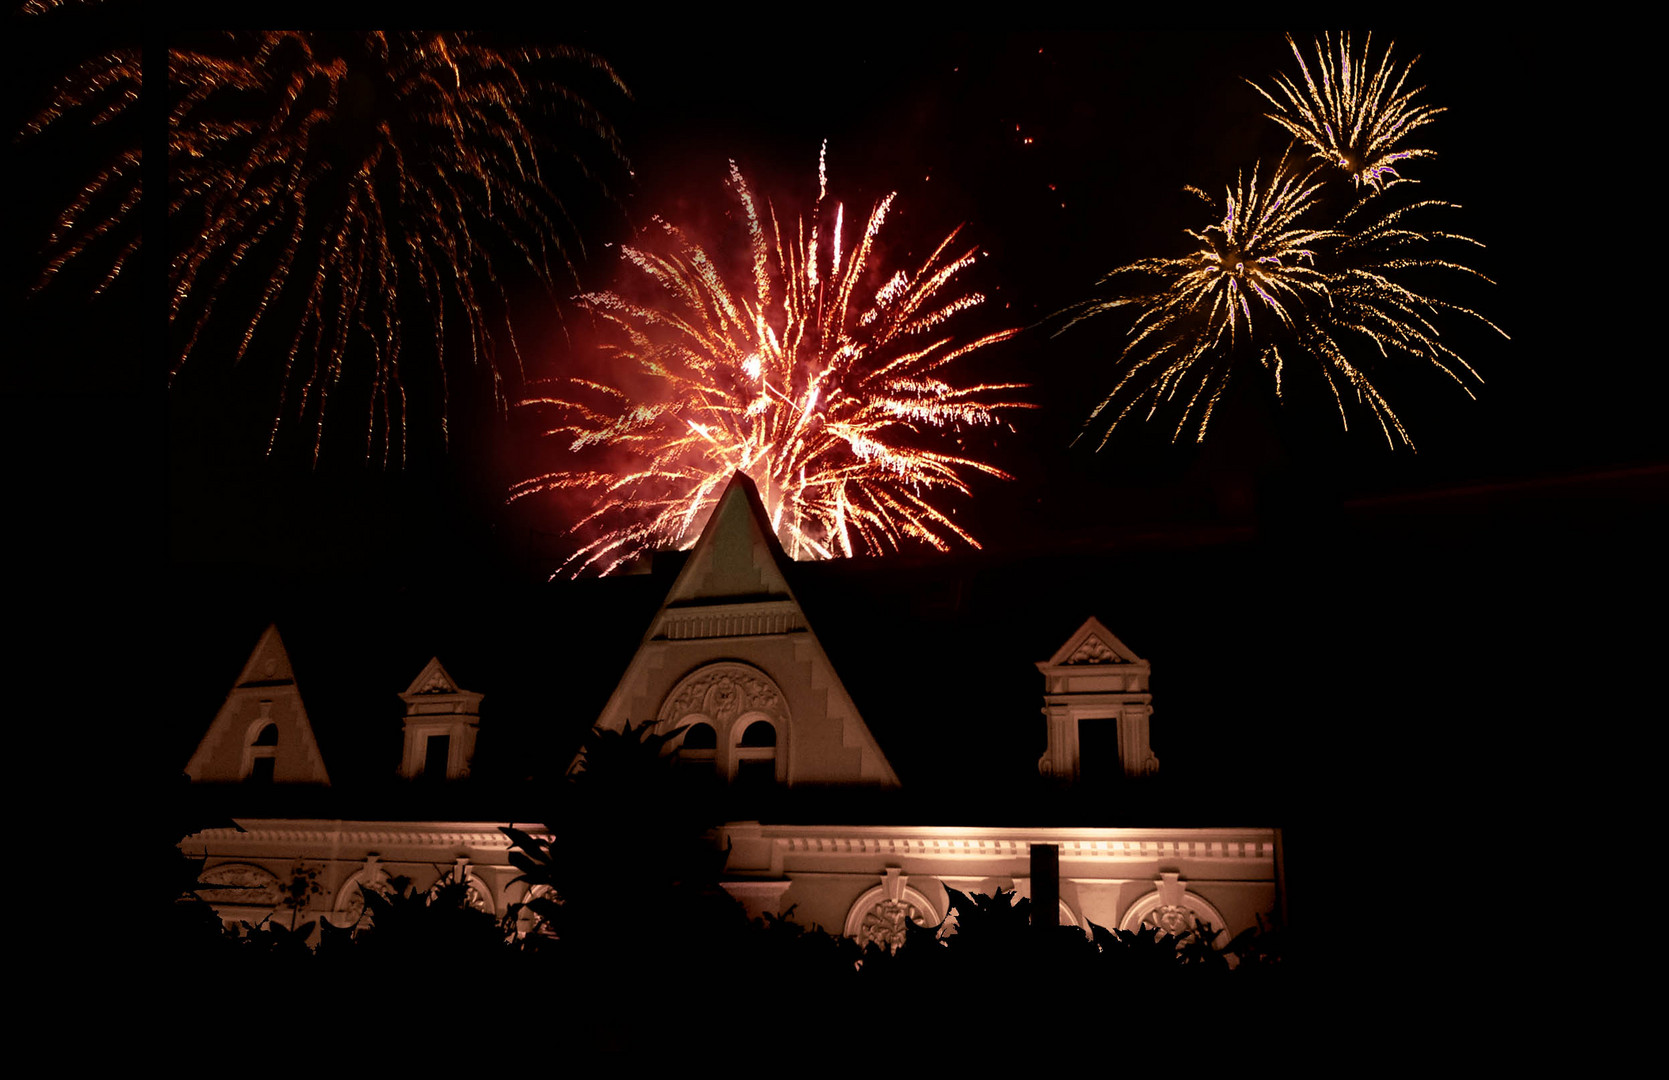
(731,662)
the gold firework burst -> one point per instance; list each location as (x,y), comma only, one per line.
(330,176)
(1252,270)
(829,396)
(1377,250)
(1351,113)
(1262,282)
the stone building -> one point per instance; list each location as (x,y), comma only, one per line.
(860,825)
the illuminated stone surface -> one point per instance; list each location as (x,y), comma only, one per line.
(730,647)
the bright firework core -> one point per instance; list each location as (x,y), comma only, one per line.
(827,394)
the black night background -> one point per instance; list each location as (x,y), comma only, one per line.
(1402,659)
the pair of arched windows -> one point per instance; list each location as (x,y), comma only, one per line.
(752,761)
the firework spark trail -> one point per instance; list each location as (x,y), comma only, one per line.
(1333,292)
(1376,247)
(1357,115)
(1256,263)
(1262,281)
(343,171)
(819,393)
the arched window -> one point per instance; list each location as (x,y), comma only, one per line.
(756,756)
(260,757)
(699,747)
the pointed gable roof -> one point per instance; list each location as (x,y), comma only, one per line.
(737,557)
(264,694)
(733,588)
(434,679)
(1093,643)
(268,664)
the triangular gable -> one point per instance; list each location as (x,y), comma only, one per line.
(435,692)
(433,679)
(264,694)
(269,664)
(1093,644)
(731,610)
(737,555)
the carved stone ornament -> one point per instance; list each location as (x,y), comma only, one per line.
(349,909)
(473,896)
(240,883)
(437,683)
(1173,919)
(724,693)
(1094,651)
(883,923)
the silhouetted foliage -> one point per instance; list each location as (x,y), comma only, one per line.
(626,906)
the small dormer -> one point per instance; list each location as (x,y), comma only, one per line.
(1097,706)
(441,723)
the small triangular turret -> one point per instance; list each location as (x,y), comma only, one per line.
(261,734)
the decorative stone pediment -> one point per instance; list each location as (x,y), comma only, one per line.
(1092,644)
(477,893)
(1172,909)
(436,682)
(878,917)
(724,691)
(434,687)
(1095,651)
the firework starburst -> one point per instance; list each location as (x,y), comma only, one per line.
(1264,283)
(1353,114)
(316,180)
(1251,271)
(827,389)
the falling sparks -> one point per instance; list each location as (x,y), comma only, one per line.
(1356,117)
(1256,264)
(820,386)
(1283,275)
(1262,281)
(324,187)
(1376,248)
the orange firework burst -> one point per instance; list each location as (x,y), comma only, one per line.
(326,176)
(1357,116)
(820,391)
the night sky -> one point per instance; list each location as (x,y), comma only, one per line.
(1504,564)
(1062,155)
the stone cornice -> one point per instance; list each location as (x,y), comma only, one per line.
(950,841)
(478,834)
(729,620)
(974,843)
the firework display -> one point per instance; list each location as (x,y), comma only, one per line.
(330,176)
(1350,113)
(828,391)
(1286,274)
(1256,263)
